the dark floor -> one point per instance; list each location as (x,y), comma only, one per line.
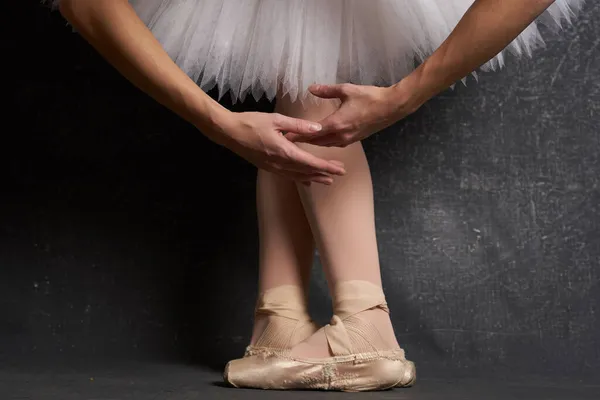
(179,382)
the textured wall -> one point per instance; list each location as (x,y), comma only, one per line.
(126,234)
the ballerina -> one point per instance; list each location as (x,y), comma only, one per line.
(314,184)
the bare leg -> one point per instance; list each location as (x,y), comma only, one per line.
(342,218)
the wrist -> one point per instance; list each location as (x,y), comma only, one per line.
(408,95)
(420,86)
(215,122)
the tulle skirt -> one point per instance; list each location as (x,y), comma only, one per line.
(265,47)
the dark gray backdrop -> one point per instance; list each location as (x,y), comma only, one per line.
(126,235)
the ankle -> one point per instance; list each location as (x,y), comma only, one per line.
(281,317)
(382,322)
(260,324)
(363,308)
(281,332)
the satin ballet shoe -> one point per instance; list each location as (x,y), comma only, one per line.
(409,377)
(288,324)
(361,361)
(352,373)
(351,296)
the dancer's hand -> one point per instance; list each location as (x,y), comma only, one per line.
(364,111)
(485,29)
(258,138)
(115,29)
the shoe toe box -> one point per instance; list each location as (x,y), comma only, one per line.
(257,372)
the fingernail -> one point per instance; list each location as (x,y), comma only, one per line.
(315,127)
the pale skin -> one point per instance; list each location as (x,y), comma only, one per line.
(338,214)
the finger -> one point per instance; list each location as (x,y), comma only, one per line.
(293,166)
(322,180)
(300,160)
(312,163)
(295,138)
(329,127)
(333,123)
(304,139)
(329,91)
(326,141)
(325,138)
(296,173)
(307,179)
(302,174)
(297,126)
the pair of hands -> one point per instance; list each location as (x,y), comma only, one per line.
(268,140)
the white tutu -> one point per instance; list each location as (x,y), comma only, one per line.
(267,46)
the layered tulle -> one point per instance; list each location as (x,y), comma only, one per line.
(262,47)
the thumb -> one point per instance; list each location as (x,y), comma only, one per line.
(297,126)
(295,138)
(328,91)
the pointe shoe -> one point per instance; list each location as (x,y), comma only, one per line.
(360,362)
(289,322)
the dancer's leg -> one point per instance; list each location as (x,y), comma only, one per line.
(343,222)
(286,241)
(286,246)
